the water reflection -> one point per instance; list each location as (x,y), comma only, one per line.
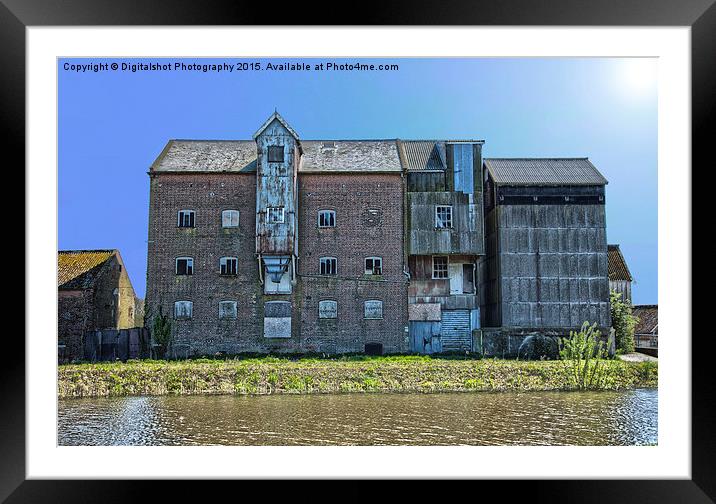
(535,418)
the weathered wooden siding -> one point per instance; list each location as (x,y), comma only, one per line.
(552,265)
(623,287)
(465,237)
(276,187)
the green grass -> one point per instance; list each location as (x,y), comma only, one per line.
(285,375)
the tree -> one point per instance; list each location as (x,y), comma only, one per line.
(623,322)
(161,329)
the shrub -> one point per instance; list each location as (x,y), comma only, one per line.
(162,329)
(584,356)
(623,322)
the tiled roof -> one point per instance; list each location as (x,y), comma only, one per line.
(423,155)
(350,156)
(543,171)
(648,319)
(207,156)
(78,269)
(617,266)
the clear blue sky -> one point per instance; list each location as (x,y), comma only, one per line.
(113,124)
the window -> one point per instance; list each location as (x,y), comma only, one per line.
(184,266)
(328,266)
(326,218)
(373,309)
(373,266)
(275,154)
(230,218)
(185,219)
(440,267)
(183,310)
(274,214)
(443,217)
(227,309)
(327,309)
(228,265)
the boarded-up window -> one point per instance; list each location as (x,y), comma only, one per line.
(328,266)
(373,309)
(274,214)
(443,216)
(327,309)
(277,319)
(184,266)
(228,266)
(227,309)
(275,154)
(326,218)
(185,219)
(230,218)
(373,266)
(183,310)
(440,267)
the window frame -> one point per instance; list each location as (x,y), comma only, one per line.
(230,211)
(372,258)
(225,260)
(450,214)
(321,261)
(275,148)
(335,303)
(268,215)
(236,309)
(332,213)
(447,269)
(191,310)
(189,271)
(382,306)
(191,215)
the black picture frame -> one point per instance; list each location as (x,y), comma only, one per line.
(700,15)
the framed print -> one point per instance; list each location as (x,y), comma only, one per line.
(430,248)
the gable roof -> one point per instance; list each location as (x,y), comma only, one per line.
(275,117)
(350,156)
(207,156)
(617,266)
(78,269)
(648,319)
(543,171)
(422,155)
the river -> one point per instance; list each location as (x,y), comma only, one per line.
(533,418)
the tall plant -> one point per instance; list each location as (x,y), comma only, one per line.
(583,354)
(162,328)
(623,322)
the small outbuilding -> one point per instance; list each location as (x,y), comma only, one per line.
(620,278)
(646,332)
(94,292)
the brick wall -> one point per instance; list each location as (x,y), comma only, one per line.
(358,234)
(75,315)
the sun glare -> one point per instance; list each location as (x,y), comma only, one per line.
(637,75)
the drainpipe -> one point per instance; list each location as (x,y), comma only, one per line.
(293,270)
(261,272)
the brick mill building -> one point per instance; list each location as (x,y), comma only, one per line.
(278,244)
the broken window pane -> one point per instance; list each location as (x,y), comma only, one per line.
(373,266)
(184,266)
(326,218)
(230,218)
(373,309)
(440,267)
(183,309)
(275,154)
(227,309)
(443,216)
(327,309)
(328,266)
(228,265)
(185,219)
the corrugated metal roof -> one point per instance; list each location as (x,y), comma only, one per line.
(350,156)
(648,319)
(617,266)
(78,269)
(423,155)
(543,171)
(207,156)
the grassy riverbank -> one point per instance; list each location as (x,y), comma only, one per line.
(272,375)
